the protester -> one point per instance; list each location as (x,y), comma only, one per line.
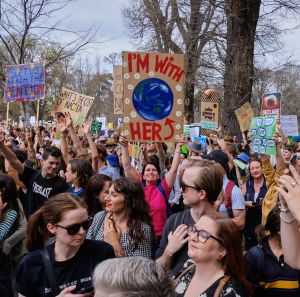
(290,217)
(96,190)
(156,190)
(40,184)
(9,221)
(270,276)
(233,204)
(77,175)
(125,223)
(201,186)
(256,191)
(70,260)
(215,248)
(131,277)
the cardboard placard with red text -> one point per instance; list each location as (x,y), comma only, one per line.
(153,85)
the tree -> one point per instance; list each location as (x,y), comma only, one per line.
(242,21)
(26,25)
(191,27)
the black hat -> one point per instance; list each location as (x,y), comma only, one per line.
(219,157)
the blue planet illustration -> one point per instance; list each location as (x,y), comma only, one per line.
(153,99)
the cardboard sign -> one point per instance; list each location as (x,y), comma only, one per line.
(210,112)
(95,127)
(270,104)
(153,96)
(262,132)
(244,115)
(24,82)
(118,90)
(289,125)
(78,105)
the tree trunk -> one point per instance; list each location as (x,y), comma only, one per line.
(242,17)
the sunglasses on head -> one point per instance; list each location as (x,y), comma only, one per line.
(74,229)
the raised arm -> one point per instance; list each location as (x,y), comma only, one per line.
(128,169)
(31,150)
(10,156)
(92,144)
(62,126)
(171,174)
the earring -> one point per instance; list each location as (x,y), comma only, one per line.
(219,257)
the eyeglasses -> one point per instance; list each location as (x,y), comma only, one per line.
(74,229)
(202,235)
(184,186)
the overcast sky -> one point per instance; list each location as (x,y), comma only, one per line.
(107,15)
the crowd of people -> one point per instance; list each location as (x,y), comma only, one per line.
(80,216)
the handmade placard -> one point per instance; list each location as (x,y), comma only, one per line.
(118,90)
(153,85)
(24,82)
(262,133)
(78,105)
(270,104)
(244,115)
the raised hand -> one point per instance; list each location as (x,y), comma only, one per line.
(87,126)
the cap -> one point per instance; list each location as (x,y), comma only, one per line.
(244,158)
(219,157)
(195,147)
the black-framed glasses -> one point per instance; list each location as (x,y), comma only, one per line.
(184,186)
(74,229)
(202,235)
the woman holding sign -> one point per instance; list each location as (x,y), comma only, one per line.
(156,191)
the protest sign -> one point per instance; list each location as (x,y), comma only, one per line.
(95,127)
(202,139)
(78,105)
(209,125)
(103,121)
(262,132)
(210,111)
(270,104)
(24,82)
(244,115)
(118,90)
(289,124)
(153,96)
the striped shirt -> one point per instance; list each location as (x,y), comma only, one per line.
(6,224)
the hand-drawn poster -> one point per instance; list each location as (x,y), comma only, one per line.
(210,111)
(78,105)
(262,133)
(289,124)
(244,115)
(153,96)
(24,82)
(118,90)
(270,104)
(95,128)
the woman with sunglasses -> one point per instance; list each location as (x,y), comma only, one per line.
(71,258)
(125,223)
(216,266)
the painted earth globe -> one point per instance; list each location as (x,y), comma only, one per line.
(153,99)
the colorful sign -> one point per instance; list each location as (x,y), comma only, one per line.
(103,120)
(289,124)
(244,115)
(262,133)
(153,96)
(95,127)
(118,90)
(78,105)
(24,82)
(270,104)
(209,125)
(210,111)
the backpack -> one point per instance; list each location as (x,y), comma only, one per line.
(259,260)
(162,191)
(228,198)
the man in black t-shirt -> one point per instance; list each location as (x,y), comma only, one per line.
(40,184)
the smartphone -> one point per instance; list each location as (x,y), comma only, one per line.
(89,289)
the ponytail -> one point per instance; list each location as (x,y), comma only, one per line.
(37,232)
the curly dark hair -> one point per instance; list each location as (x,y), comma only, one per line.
(84,171)
(135,205)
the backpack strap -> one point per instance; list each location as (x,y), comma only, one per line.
(163,192)
(259,258)
(179,218)
(221,285)
(49,271)
(228,198)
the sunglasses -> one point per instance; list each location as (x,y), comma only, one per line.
(74,229)
(202,235)
(184,186)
